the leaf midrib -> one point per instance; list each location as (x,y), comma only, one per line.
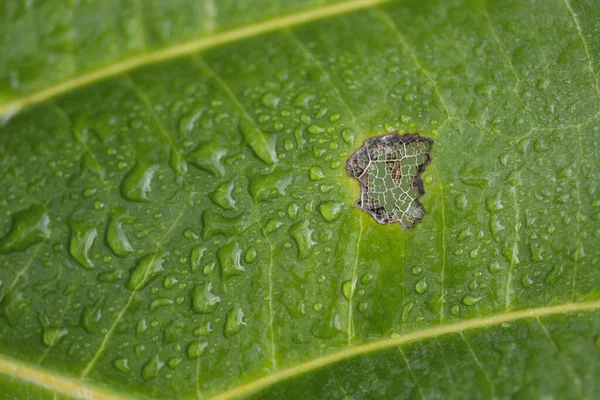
(11,108)
(80,390)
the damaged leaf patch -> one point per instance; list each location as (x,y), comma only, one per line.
(389,171)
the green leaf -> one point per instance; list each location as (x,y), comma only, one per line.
(177,220)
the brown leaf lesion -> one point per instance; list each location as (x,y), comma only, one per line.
(389,170)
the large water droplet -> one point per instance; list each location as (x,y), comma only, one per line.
(122,364)
(91,315)
(269,187)
(263,147)
(470,300)
(234,322)
(421,286)
(207,157)
(215,224)
(328,325)
(152,368)
(137,184)
(203,299)
(115,235)
(331,210)
(173,331)
(147,268)
(302,234)
(222,196)
(29,226)
(229,257)
(52,335)
(81,243)
(196,349)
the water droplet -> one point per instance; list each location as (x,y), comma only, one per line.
(293,210)
(52,335)
(173,362)
(406,311)
(416,270)
(147,268)
(303,100)
(421,286)
(203,299)
(189,234)
(262,146)
(29,226)
(270,100)
(526,281)
(328,325)
(222,196)
(122,364)
(91,315)
(367,278)
(196,348)
(170,281)
(81,243)
(348,288)
(251,255)
(110,275)
(316,173)
(234,321)
(494,205)
(470,300)
(348,136)
(186,124)
(152,368)
(315,130)
(141,327)
(272,225)
(160,302)
(13,306)
(196,256)
(173,331)
(215,224)
(207,157)
(229,257)
(302,234)
(331,210)
(115,235)
(269,187)
(137,184)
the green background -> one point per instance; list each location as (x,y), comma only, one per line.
(187,228)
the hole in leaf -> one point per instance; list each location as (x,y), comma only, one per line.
(389,171)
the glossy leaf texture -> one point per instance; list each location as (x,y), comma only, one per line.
(187,229)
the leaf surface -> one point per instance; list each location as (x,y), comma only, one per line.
(186,228)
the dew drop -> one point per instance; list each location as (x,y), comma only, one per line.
(147,268)
(204,301)
(470,300)
(137,184)
(421,286)
(196,349)
(302,234)
(222,196)
(348,288)
(234,321)
(229,257)
(331,210)
(207,157)
(122,364)
(115,234)
(29,226)
(81,243)
(316,173)
(152,367)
